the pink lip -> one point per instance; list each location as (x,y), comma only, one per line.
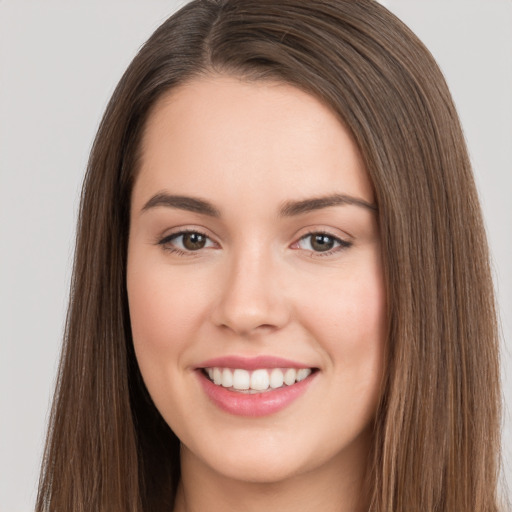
(256,404)
(251,363)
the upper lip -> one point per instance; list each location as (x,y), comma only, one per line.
(251,363)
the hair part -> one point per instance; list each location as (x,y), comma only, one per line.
(436,433)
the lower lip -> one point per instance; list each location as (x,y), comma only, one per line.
(254,404)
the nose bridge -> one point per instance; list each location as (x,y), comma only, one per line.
(250,297)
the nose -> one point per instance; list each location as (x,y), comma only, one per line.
(251,297)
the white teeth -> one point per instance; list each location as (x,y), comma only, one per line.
(227,378)
(303,373)
(290,376)
(258,380)
(241,379)
(276,378)
(217,376)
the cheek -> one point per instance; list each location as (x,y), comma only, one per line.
(165,312)
(350,324)
(353,311)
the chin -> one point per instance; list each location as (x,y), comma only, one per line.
(261,458)
(259,470)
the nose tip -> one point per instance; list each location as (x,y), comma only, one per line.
(251,301)
(248,320)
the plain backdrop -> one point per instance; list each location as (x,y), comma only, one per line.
(59,63)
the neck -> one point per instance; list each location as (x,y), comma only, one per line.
(337,486)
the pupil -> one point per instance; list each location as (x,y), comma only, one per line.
(322,243)
(194,241)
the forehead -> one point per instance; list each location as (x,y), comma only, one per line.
(252,137)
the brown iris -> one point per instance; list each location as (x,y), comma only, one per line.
(193,241)
(321,242)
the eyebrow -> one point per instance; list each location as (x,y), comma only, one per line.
(292,208)
(187,203)
(288,209)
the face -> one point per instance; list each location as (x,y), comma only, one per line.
(254,279)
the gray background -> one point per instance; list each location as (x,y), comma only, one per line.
(59,63)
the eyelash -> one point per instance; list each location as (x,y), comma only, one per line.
(341,244)
(164,242)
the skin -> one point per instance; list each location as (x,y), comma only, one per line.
(258,286)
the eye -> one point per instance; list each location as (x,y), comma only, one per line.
(186,241)
(322,243)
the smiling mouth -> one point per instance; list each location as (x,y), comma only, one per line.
(256,381)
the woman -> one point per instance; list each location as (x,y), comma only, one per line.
(281,292)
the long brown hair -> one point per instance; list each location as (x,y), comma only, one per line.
(436,435)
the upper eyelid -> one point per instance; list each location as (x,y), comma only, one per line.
(337,233)
(165,241)
(321,232)
(310,230)
(183,231)
(342,241)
